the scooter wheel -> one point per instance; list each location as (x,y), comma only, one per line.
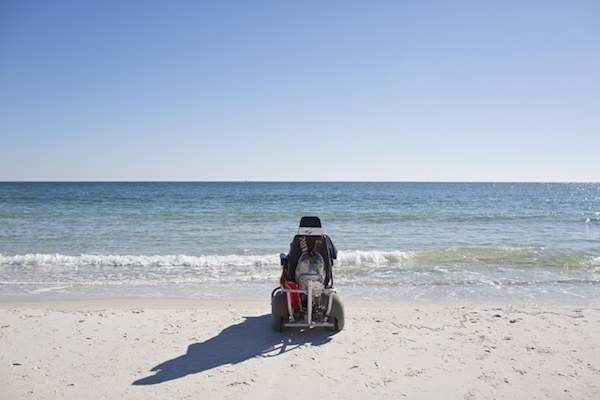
(336,315)
(279,311)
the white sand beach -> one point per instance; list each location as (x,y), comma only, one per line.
(178,349)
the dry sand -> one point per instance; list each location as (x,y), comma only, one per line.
(178,349)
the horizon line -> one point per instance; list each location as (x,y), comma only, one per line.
(297,181)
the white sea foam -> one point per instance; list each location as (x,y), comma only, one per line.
(456,272)
(370,258)
(51,260)
(596,264)
(347,258)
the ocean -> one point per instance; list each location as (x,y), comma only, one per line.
(525,243)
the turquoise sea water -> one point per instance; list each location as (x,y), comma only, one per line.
(459,242)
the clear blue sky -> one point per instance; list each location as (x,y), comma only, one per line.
(300,90)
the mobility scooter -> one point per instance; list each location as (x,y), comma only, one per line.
(306,297)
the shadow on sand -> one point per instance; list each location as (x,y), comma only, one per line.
(235,344)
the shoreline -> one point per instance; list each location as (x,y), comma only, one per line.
(136,348)
(161,303)
(357,295)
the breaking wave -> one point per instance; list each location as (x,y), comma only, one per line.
(461,271)
(518,257)
(51,260)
